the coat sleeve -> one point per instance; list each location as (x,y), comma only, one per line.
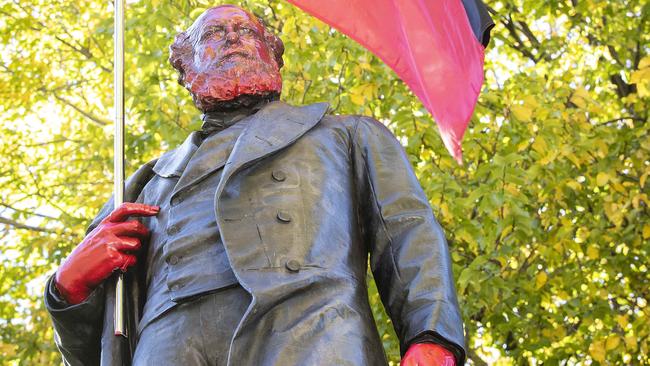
(78,328)
(409,257)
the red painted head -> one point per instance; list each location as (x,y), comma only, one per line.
(226,58)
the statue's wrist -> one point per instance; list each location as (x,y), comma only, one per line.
(72,294)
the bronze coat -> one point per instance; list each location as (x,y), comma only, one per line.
(303,201)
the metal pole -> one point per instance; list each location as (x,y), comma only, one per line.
(118,158)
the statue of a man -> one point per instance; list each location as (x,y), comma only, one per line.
(252,239)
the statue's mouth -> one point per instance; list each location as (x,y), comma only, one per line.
(232,55)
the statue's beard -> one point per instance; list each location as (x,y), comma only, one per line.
(218,87)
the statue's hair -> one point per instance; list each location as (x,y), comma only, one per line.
(181,51)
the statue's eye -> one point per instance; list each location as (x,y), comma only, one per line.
(243,31)
(218,32)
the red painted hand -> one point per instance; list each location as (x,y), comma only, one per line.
(428,354)
(108,247)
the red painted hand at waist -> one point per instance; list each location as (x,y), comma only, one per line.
(108,247)
(428,354)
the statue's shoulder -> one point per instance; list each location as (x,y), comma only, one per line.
(144,173)
(352,121)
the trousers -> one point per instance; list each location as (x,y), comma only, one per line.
(194,333)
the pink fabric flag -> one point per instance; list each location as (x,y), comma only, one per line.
(428,43)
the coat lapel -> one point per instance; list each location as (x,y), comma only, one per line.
(173,162)
(210,156)
(274,127)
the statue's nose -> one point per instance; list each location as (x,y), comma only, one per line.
(232,37)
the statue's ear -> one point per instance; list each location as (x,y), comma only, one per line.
(277,46)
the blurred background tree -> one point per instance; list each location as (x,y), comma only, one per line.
(547,220)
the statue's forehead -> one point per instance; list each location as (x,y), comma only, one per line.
(225,15)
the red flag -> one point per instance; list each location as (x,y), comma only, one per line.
(428,43)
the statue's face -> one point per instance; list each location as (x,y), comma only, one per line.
(231,55)
(229,37)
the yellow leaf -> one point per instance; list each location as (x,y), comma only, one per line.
(645,62)
(548,158)
(602,178)
(640,76)
(574,185)
(593,252)
(8,350)
(574,159)
(614,213)
(603,294)
(502,260)
(522,146)
(646,231)
(540,280)
(618,187)
(603,148)
(357,71)
(366,66)
(540,145)
(597,351)
(612,342)
(580,97)
(359,94)
(357,99)
(522,112)
(531,101)
(622,320)
(506,230)
(512,189)
(630,343)
(636,200)
(582,234)
(444,208)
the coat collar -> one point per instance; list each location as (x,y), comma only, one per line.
(275,126)
(173,162)
(210,156)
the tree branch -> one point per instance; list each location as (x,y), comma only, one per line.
(97,120)
(18,225)
(476,359)
(632,118)
(27,212)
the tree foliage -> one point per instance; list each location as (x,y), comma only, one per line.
(547,220)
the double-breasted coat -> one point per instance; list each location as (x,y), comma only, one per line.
(305,202)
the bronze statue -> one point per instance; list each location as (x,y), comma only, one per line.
(253,236)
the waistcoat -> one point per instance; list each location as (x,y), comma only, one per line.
(186,257)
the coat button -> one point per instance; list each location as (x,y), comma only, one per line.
(284,216)
(279,175)
(292,265)
(173,230)
(173,260)
(177,287)
(175,201)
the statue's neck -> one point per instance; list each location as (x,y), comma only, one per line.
(222,118)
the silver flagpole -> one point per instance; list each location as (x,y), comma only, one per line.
(118,93)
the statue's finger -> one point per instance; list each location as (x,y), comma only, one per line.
(129,228)
(127,243)
(128,209)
